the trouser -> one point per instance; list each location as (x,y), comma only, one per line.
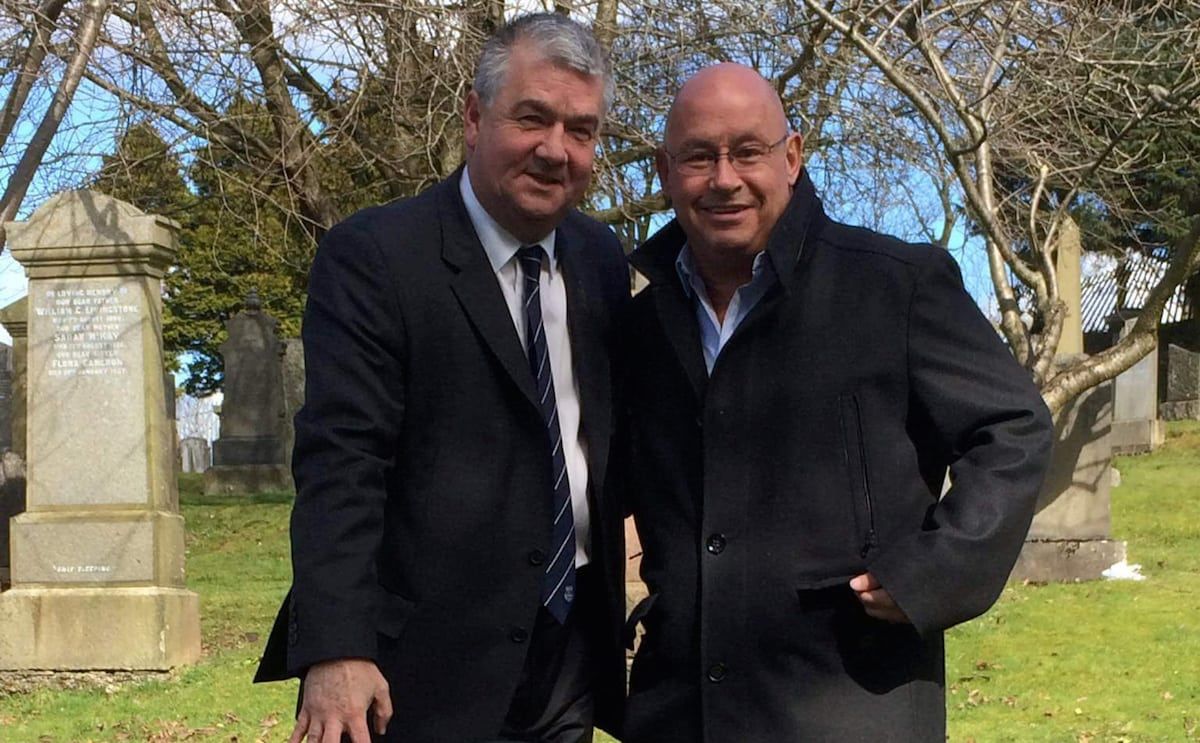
(554,702)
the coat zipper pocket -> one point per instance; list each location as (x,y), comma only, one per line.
(852,436)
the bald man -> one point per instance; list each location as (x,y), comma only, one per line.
(798,389)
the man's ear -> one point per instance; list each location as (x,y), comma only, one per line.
(472,111)
(662,163)
(794,151)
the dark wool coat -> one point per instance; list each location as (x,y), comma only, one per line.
(816,451)
(422,513)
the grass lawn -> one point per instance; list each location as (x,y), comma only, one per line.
(1109,661)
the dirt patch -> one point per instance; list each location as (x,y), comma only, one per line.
(13,683)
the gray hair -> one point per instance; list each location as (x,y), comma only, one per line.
(560,40)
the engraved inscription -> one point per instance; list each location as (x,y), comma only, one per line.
(87,330)
(77,569)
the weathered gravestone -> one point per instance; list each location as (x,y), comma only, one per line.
(9,506)
(249,455)
(15,320)
(1069,537)
(1183,385)
(98,555)
(293,392)
(1136,428)
(6,396)
(12,502)
(12,467)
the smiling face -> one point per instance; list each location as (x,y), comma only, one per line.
(728,213)
(530,149)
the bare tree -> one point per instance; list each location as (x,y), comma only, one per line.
(933,120)
(1035,106)
(38,25)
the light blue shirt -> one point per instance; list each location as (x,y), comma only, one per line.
(713,333)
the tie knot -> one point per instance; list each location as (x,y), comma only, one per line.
(530,257)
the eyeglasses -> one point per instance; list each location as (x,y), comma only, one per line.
(703,160)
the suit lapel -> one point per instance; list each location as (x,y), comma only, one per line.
(478,291)
(589,356)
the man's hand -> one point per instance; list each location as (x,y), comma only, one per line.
(876,601)
(337,694)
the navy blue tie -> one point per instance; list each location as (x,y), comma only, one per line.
(558,582)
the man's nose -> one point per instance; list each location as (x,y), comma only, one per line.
(724,176)
(552,148)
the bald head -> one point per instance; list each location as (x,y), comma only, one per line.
(737,87)
(728,166)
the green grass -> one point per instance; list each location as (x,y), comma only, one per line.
(1107,661)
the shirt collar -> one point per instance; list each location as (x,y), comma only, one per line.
(689,275)
(499,245)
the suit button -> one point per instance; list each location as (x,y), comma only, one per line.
(518,634)
(536,557)
(716,543)
(716,672)
(699,421)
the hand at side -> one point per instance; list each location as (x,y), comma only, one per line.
(337,695)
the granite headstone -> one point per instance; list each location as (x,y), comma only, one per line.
(1183,385)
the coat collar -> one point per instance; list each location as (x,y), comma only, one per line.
(655,259)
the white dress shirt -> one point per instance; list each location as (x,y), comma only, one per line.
(501,249)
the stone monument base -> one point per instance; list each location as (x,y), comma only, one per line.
(1182,410)
(247,478)
(1137,437)
(98,629)
(1066,560)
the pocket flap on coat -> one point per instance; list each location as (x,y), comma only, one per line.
(394,613)
(638,614)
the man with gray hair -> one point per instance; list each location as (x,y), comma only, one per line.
(458,570)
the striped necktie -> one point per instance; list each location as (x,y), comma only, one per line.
(558,582)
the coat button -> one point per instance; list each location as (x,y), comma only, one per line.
(716,543)
(537,557)
(716,672)
(518,634)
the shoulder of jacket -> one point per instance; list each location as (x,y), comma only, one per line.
(868,245)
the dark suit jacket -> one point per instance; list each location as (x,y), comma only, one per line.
(423,506)
(816,451)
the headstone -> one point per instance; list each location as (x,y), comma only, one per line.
(293,392)
(1183,385)
(1069,538)
(194,454)
(1136,428)
(1067,266)
(249,456)
(98,554)
(6,396)
(12,502)
(15,320)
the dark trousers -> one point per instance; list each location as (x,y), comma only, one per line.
(553,702)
